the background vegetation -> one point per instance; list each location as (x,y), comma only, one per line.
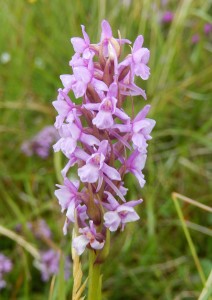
(151,259)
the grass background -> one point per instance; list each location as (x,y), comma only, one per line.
(151,259)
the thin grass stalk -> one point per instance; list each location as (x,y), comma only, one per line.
(150,217)
(61,279)
(20,241)
(193,202)
(206,293)
(189,239)
(51,289)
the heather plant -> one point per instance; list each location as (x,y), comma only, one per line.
(103,140)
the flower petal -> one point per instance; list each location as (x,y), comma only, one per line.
(67,80)
(106,30)
(138,43)
(85,35)
(97,245)
(99,85)
(89,139)
(139,141)
(111,173)
(79,243)
(88,173)
(103,120)
(78,44)
(64,197)
(71,211)
(112,220)
(142,70)
(121,114)
(113,203)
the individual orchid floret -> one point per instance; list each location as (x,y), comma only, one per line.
(141,133)
(129,88)
(70,135)
(135,164)
(140,129)
(68,196)
(81,212)
(88,236)
(118,215)
(69,199)
(107,109)
(95,167)
(109,42)
(137,61)
(65,108)
(82,45)
(81,78)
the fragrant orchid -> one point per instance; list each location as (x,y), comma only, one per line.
(99,137)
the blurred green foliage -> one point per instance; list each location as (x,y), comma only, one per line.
(151,259)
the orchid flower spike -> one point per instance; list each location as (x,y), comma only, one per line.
(99,137)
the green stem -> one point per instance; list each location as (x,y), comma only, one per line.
(189,240)
(94,278)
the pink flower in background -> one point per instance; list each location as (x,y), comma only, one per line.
(41,143)
(195,39)
(99,138)
(49,264)
(41,229)
(167,17)
(5,267)
(207,28)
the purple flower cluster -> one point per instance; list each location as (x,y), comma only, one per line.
(49,264)
(39,228)
(100,137)
(208,29)
(167,17)
(41,143)
(5,267)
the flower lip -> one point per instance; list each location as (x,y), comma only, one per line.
(90,236)
(96,159)
(108,104)
(123,213)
